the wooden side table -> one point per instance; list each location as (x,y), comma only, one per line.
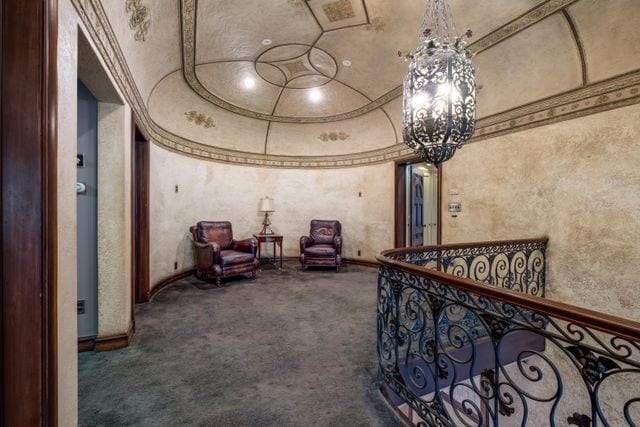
(270,238)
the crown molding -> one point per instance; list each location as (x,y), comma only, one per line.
(593,98)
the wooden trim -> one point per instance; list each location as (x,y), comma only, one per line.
(400,198)
(400,207)
(362,262)
(28,180)
(169,280)
(115,342)
(399,251)
(580,316)
(86,344)
(140,193)
(50,124)
(439,203)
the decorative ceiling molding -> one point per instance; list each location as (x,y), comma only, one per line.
(596,97)
(188,12)
(520,23)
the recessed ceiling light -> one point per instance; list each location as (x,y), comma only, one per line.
(315,95)
(267,42)
(346,63)
(249,83)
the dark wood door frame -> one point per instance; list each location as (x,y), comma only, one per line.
(28,188)
(400,197)
(140,173)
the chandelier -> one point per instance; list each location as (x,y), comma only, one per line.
(439,98)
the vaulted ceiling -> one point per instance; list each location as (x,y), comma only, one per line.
(300,83)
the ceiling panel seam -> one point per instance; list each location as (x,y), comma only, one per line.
(579,46)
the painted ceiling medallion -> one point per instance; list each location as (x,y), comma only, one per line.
(333,136)
(200,119)
(339,10)
(296,66)
(139,19)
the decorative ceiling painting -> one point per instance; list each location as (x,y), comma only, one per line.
(318,83)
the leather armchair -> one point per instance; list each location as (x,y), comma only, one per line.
(217,255)
(323,246)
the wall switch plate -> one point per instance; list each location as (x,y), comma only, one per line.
(454,192)
(455,207)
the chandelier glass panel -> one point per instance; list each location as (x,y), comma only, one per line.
(439,99)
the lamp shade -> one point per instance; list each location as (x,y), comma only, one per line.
(267,205)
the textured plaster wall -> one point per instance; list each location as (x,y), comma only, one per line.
(214,191)
(577,182)
(66,269)
(114,219)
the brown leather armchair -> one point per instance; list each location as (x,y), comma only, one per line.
(217,255)
(323,246)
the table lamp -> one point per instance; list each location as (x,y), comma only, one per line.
(266,206)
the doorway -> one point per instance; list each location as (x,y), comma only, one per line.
(140,211)
(87,213)
(417,210)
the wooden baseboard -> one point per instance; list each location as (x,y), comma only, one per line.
(352,261)
(86,344)
(115,342)
(169,280)
(362,262)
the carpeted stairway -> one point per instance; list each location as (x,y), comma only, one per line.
(291,348)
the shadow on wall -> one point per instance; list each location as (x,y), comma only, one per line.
(184,253)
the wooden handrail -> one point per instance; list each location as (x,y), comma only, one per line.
(592,319)
(452,246)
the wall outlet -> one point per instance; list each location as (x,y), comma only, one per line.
(175,265)
(177,188)
(359,253)
(455,207)
(81,303)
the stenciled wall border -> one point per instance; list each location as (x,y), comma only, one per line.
(593,98)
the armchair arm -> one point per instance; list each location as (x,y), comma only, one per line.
(337,243)
(247,245)
(206,254)
(305,242)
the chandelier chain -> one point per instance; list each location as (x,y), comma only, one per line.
(439,19)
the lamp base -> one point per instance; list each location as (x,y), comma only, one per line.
(266,229)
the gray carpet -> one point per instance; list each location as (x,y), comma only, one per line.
(291,348)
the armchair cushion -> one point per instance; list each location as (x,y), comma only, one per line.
(231,257)
(323,232)
(214,231)
(320,250)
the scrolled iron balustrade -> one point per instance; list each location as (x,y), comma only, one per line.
(454,351)
(517,265)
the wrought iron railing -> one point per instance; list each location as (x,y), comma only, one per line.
(516,264)
(455,351)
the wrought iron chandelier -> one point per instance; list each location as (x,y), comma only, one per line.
(439,99)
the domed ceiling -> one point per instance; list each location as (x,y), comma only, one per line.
(317,83)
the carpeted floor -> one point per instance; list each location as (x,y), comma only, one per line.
(291,348)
